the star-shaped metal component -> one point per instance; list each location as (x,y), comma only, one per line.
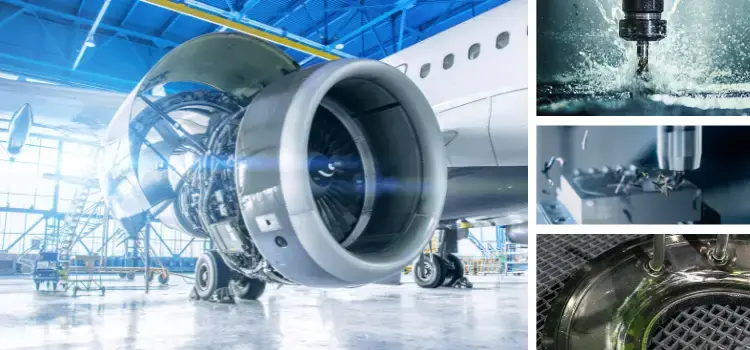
(663,183)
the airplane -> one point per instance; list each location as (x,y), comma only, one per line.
(370,141)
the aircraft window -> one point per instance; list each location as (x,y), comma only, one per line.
(402,67)
(424,71)
(474,51)
(448,61)
(502,40)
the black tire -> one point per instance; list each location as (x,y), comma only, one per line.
(130,275)
(429,272)
(163,278)
(149,277)
(211,273)
(37,286)
(122,274)
(247,288)
(54,287)
(452,275)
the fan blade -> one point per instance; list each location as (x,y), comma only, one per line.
(328,217)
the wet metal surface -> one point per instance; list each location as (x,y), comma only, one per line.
(491,316)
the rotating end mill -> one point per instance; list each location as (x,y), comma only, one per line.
(679,148)
(643,24)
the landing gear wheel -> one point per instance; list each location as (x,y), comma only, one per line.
(211,273)
(54,287)
(247,288)
(37,286)
(429,272)
(149,277)
(163,278)
(456,272)
(122,274)
(130,275)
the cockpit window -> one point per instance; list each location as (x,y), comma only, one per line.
(448,61)
(474,51)
(502,40)
(424,71)
(402,67)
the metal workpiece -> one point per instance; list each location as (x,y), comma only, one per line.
(679,148)
(614,303)
(552,212)
(611,195)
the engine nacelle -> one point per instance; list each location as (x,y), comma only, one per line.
(328,176)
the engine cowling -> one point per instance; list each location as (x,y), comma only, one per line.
(330,176)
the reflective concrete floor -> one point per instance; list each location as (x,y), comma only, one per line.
(491,316)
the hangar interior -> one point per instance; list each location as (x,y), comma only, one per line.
(72,274)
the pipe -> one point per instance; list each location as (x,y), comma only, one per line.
(90,37)
(207,17)
(722,242)
(657,260)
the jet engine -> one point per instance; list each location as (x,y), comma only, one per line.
(328,176)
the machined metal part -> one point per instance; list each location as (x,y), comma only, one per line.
(614,303)
(553,212)
(679,148)
(628,196)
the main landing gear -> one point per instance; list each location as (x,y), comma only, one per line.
(215,282)
(442,268)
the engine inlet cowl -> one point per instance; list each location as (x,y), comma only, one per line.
(340,172)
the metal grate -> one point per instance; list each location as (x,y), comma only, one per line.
(704,327)
(558,258)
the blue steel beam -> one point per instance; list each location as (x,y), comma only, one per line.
(186,246)
(89,41)
(159,42)
(459,11)
(5,20)
(297,5)
(161,239)
(265,27)
(401,30)
(377,38)
(399,6)
(80,8)
(238,14)
(112,82)
(25,233)
(85,247)
(130,13)
(169,24)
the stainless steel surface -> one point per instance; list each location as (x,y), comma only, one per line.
(291,318)
(679,148)
(596,196)
(615,303)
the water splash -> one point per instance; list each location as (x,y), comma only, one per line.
(702,63)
